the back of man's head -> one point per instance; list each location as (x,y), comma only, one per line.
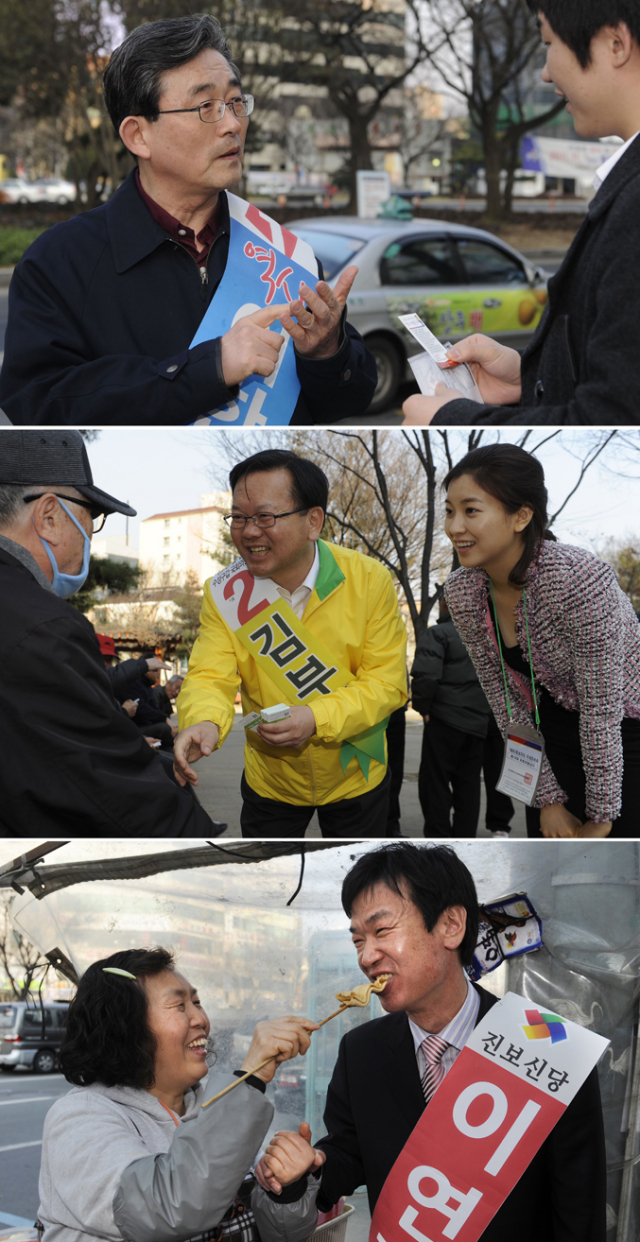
(309,484)
(432,877)
(577,22)
(132,81)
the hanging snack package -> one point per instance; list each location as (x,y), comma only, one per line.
(433,367)
(508,927)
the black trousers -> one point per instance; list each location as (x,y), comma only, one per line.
(499,806)
(569,772)
(364,816)
(449,778)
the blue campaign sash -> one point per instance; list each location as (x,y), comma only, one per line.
(265,267)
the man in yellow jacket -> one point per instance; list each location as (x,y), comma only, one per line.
(311,628)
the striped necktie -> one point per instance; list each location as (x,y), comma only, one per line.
(434,1049)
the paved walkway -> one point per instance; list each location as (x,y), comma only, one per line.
(219,785)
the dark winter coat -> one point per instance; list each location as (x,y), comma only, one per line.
(582,365)
(444,683)
(71,760)
(102,309)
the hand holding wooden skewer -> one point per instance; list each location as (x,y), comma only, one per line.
(292,1035)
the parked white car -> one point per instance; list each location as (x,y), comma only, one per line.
(56,190)
(17,190)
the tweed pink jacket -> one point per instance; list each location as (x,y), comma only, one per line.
(585,645)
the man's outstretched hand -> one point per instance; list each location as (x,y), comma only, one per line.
(288,1157)
(190,745)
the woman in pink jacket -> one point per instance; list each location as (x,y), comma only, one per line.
(554,640)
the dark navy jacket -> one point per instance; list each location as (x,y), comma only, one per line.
(581,366)
(102,309)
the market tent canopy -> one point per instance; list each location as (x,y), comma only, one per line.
(253,955)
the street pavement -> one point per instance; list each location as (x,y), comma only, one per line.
(25,1100)
(219,785)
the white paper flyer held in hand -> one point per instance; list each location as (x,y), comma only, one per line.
(433,367)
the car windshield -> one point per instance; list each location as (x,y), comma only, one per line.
(7,1017)
(334,250)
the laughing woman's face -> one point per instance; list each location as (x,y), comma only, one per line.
(482,532)
(181,1029)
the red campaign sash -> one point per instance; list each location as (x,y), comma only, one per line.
(502,1097)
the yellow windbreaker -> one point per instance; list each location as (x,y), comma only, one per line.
(353,610)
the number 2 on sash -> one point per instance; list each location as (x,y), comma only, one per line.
(244,612)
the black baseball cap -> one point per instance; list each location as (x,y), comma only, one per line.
(51,459)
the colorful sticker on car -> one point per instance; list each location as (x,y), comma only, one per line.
(459,313)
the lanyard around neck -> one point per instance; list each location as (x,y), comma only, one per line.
(504,675)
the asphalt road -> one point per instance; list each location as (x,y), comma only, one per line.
(25,1100)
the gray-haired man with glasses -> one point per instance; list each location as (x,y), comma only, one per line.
(71,761)
(104,307)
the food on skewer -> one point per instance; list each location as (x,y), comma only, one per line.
(362,994)
(359,996)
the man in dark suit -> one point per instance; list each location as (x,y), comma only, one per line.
(581,366)
(414,915)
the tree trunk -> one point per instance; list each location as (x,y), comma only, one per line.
(492,164)
(511,165)
(360,156)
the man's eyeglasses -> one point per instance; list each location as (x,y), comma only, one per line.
(213,110)
(237,521)
(99,518)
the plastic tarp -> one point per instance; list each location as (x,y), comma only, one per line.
(253,956)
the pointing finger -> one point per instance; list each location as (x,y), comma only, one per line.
(268,315)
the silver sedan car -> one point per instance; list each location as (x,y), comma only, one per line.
(459,280)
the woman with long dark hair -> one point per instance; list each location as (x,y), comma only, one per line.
(554,640)
(130,1152)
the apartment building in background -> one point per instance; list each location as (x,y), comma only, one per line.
(174,543)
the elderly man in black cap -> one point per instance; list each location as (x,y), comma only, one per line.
(70,760)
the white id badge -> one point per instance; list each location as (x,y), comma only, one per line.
(522,763)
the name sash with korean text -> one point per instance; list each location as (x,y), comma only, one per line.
(300,666)
(501,1098)
(265,266)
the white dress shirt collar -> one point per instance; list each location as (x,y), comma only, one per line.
(298,599)
(604,169)
(458,1030)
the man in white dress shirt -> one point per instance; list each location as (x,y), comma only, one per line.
(330,752)
(581,366)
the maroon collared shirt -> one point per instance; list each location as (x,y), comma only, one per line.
(198,245)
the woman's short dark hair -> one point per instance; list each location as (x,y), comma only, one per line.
(432,876)
(577,22)
(515,478)
(132,79)
(309,484)
(107,1037)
